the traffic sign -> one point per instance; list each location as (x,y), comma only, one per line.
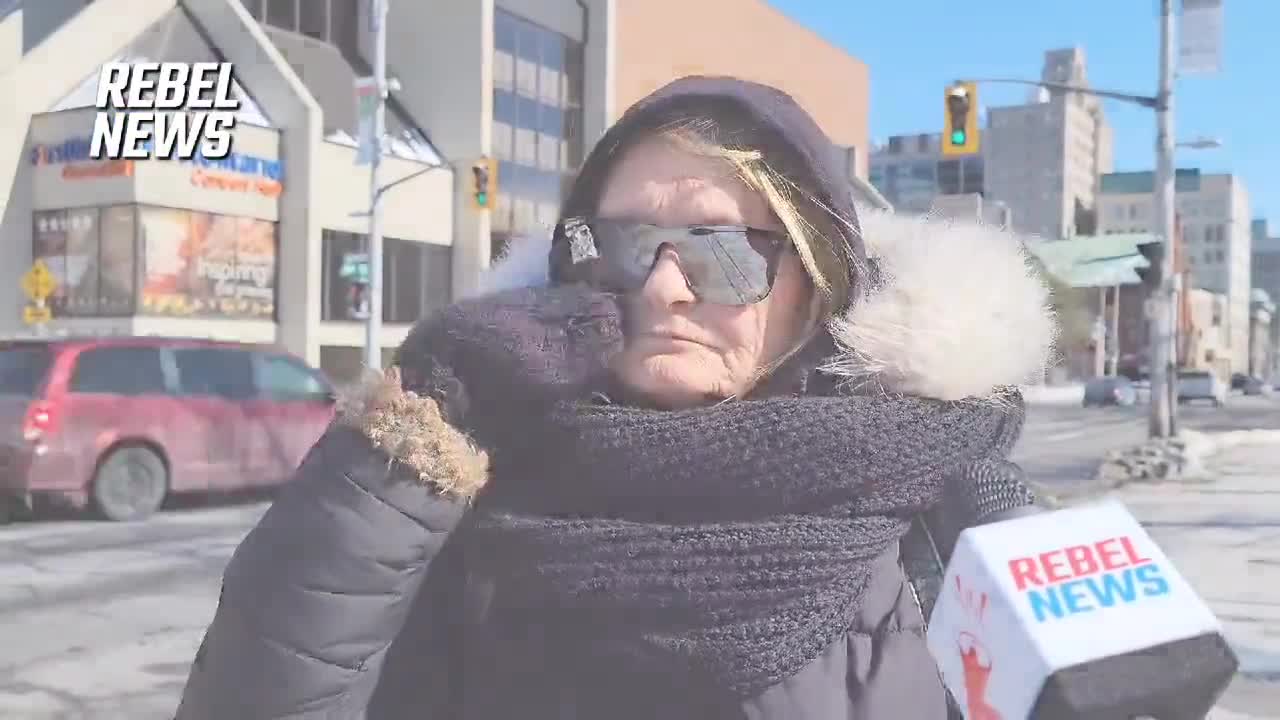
(36,314)
(38,283)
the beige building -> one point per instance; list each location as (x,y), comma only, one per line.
(1262,312)
(660,40)
(267,248)
(1044,159)
(1215,221)
(1205,337)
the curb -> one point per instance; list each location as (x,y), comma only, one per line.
(1200,446)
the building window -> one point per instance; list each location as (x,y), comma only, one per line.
(126,260)
(972,180)
(949,177)
(199,264)
(336,22)
(313,20)
(282,14)
(417,278)
(537,123)
(92,254)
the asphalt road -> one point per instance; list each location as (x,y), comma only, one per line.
(1064,443)
(100,620)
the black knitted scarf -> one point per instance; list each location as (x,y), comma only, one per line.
(732,542)
(727,545)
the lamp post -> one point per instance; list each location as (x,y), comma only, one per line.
(1162,328)
(373,323)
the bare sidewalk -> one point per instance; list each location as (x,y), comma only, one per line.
(1224,535)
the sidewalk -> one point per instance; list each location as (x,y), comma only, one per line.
(1224,535)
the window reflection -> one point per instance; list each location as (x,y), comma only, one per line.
(282,13)
(537,104)
(417,277)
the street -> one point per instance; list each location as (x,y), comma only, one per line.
(1064,443)
(100,620)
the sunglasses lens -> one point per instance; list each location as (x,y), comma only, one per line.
(725,265)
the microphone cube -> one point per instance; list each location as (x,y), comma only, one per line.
(1074,614)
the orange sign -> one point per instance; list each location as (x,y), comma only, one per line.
(236,183)
(112,168)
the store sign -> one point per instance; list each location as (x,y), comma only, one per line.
(94,170)
(75,152)
(236,183)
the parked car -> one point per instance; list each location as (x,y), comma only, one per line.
(120,424)
(1110,391)
(1256,386)
(1201,385)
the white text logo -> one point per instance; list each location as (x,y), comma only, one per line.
(169,111)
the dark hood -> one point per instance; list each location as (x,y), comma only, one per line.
(789,138)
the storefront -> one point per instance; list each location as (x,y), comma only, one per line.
(250,248)
(139,247)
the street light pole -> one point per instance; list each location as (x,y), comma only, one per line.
(373,323)
(1161,327)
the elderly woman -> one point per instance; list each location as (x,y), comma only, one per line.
(664,470)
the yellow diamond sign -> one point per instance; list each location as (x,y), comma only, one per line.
(38,283)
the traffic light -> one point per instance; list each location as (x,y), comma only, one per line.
(485,176)
(960,120)
(1151,275)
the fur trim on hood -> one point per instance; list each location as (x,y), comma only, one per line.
(960,312)
(412,430)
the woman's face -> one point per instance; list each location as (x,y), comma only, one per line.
(681,352)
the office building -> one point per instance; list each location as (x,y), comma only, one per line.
(1265,264)
(1044,158)
(1214,217)
(267,249)
(1265,269)
(911,172)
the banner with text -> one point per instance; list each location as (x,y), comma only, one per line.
(203,264)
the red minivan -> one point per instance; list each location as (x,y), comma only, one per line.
(120,424)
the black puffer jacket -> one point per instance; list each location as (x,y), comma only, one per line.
(353,592)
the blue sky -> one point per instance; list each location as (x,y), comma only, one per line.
(915,47)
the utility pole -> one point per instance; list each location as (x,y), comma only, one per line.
(373,323)
(1161,327)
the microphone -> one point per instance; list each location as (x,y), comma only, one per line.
(1074,614)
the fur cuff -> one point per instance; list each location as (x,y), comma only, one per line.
(412,430)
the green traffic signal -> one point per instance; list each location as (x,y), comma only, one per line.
(957,137)
(482,199)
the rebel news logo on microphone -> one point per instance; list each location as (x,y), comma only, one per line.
(165,110)
(1036,604)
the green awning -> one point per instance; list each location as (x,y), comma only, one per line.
(1094,260)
